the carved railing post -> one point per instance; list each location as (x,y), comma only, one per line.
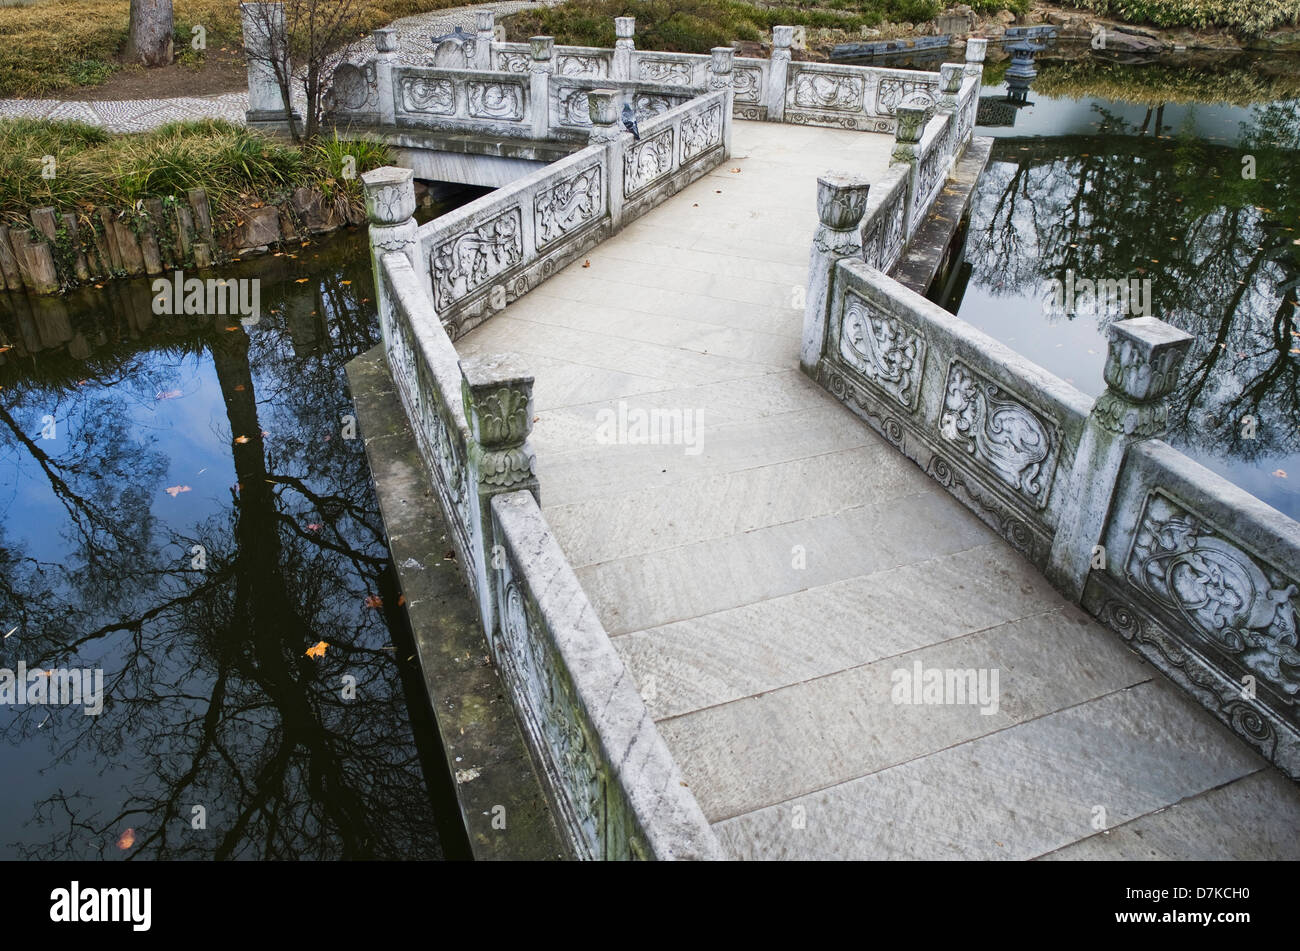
(540,84)
(603,107)
(1142,364)
(721,61)
(498,396)
(841,203)
(624,31)
(782,37)
(907,135)
(265,42)
(976,47)
(385,59)
(485,34)
(390,209)
(950,77)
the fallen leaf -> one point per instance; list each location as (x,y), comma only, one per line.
(176,490)
(126,839)
(169,395)
(302,280)
(3,349)
(374,601)
(401,599)
(239,388)
(313,527)
(449,555)
(345,282)
(318,651)
(231,329)
(735,171)
(586,263)
(1280,473)
(241,439)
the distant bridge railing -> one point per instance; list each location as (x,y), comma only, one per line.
(616,792)
(1197,575)
(505,84)
(491,251)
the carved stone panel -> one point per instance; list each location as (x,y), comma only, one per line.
(354,89)
(747,81)
(570,106)
(1000,433)
(1239,605)
(509,61)
(883,350)
(489,100)
(811,90)
(892,90)
(701,132)
(647,160)
(433,97)
(568,205)
(476,257)
(662,71)
(581,64)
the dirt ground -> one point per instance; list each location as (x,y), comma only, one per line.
(221,71)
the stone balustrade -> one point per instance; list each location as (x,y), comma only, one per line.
(513,81)
(1195,574)
(617,792)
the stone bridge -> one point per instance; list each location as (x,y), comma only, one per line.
(773,557)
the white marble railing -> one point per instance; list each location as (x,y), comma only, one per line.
(1197,575)
(616,790)
(511,77)
(493,250)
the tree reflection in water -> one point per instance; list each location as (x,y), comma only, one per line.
(1222,252)
(210,699)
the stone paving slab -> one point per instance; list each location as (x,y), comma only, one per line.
(763,590)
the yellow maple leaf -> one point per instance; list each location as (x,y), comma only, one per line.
(318,651)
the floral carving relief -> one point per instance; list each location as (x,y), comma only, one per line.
(436,97)
(819,91)
(664,71)
(701,131)
(883,350)
(747,81)
(473,258)
(496,100)
(1240,605)
(998,431)
(568,204)
(647,160)
(894,89)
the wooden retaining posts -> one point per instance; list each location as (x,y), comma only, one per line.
(60,250)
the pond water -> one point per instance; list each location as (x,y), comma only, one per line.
(184,508)
(1116,173)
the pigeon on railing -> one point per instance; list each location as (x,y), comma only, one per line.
(629,121)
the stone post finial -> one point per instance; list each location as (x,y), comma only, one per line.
(602,107)
(950,77)
(976,47)
(624,31)
(907,136)
(841,203)
(782,38)
(485,23)
(1143,358)
(390,203)
(498,396)
(721,59)
(541,49)
(386,41)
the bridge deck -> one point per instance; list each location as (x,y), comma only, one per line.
(771,682)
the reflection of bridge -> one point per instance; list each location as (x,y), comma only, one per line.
(741,623)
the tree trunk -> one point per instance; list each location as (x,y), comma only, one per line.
(150,36)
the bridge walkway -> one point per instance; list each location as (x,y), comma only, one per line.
(765,577)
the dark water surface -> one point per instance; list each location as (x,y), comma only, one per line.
(171,432)
(1153,190)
